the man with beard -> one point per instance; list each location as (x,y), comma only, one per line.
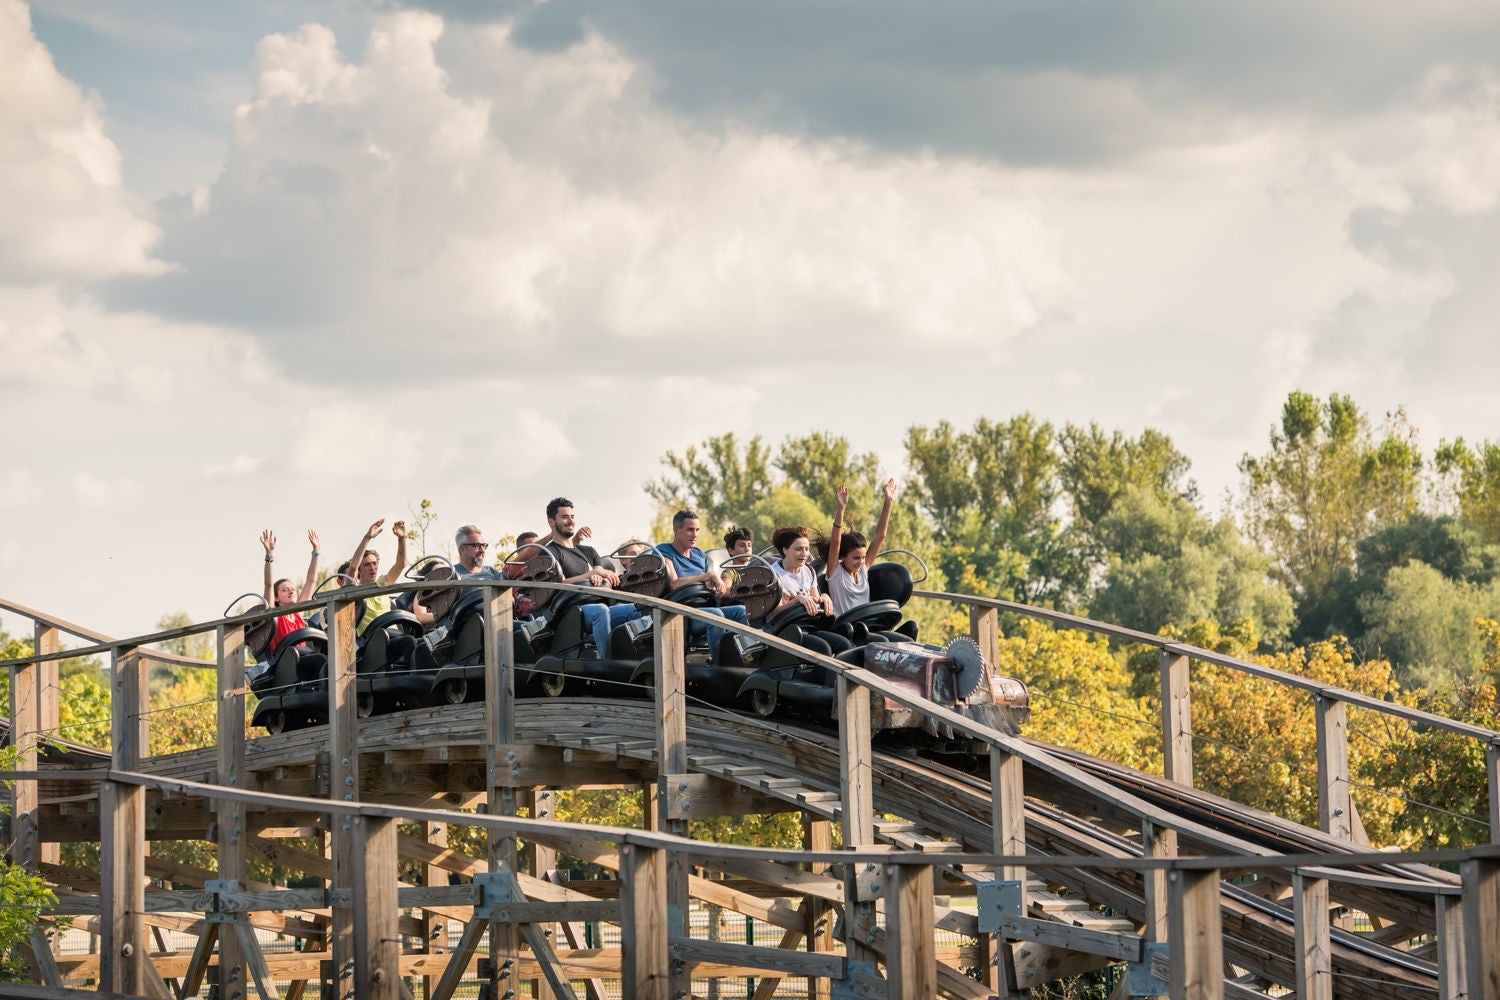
(581,564)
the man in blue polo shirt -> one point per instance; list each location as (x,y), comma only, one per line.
(689,564)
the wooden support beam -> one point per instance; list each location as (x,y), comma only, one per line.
(26,727)
(343,770)
(670,649)
(817,835)
(857,811)
(47,639)
(1008,812)
(500,730)
(123,944)
(1492,775)
(1312,938)
(984,629)
(645,962)
(1481,906)
(1196,935)
(1176,718)
(434,924)
(229,822)
(377,940)
(543,860)
(1453,975)
(1156,842)
(910,959)
(1334,806)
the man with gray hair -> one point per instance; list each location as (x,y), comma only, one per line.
(471,550)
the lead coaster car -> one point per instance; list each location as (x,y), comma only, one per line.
(955,676)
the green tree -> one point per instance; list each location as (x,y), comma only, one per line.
(1326,483)
(721,481)
(1080,694)
(1098,468)
(1170,565)
(1475,477)
(991,496)
(1255,741)
(23,895)
(1443,774)
(1424,621)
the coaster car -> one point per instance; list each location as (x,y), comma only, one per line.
(554,650)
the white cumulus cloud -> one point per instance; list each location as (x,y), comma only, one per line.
(65,212)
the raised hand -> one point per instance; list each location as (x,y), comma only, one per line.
(890,490)
(375,529)
(399,529)
(268,541)
(584,533)
(312,538)
(842,493)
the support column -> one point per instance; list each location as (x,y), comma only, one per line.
(1196,934)
(1453,976)
(817,835)
(26,728)
(123,944)
(861,884)
(1008,813)
(1492,774)
(377,934)
(645,967)
(343,769)
(434,925)
(1312,932)
(672,765)
(1176,718)
(1334,806)
(910,950)
(1481,880)
(500,731)
(229,823)
(984,629)
(1157,842)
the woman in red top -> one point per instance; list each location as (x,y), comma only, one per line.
(283,591)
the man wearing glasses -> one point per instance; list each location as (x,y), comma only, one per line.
(471,550)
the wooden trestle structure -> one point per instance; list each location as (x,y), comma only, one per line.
(1073,863)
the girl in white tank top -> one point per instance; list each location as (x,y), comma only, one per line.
(848,556)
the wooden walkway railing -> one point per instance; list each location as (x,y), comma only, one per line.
(659,958)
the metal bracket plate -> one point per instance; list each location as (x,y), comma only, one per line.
(495,890)
(1140,980)
(995,901)
(861,981)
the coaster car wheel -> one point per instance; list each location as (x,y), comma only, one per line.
(763,701)
(452,691)
(275,721)
(554,684)
(364,705)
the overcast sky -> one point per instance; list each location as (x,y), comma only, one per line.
(302,264)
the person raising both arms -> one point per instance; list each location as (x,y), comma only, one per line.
(366,565)
(283,591)
(797,579)
(848,556)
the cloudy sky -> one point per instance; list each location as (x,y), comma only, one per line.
(302,264)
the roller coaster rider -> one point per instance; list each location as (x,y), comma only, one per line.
(581,564)
(689,564)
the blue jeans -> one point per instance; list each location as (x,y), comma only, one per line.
(734,612)
(602,618)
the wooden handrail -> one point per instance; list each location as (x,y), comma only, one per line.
(1415,715)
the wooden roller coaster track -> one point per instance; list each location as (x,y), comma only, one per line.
(1050,864)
